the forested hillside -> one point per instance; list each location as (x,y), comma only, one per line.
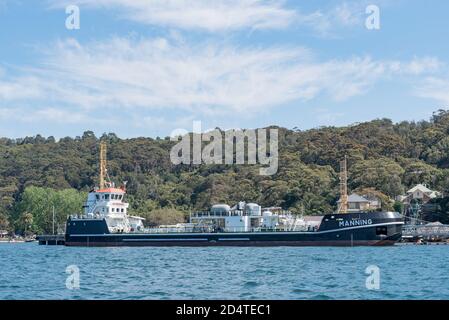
(381,155)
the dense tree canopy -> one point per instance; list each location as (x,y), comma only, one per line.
(37,173)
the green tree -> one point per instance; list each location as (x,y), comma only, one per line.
(39,202)
(398,206)
(25,222)
(165,216)
(4,222)
(382,174)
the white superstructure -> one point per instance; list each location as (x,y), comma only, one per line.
(109,204)
(249,217)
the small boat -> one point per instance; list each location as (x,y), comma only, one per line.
(12,240)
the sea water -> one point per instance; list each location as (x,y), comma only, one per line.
(30,271)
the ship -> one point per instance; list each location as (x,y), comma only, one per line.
(107,222)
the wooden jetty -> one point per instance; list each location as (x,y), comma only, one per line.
(51,239)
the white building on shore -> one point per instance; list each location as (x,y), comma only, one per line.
(420,193)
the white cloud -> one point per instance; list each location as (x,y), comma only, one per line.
(436,89)
(348,14)
(27,87)
(149,121)
(417,66)
(217,15)
(53,116)
(228,15)
(213,79)
(326,117)
(328,21)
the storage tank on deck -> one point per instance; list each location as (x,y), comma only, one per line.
(267,213)
(220,209)
(253,209)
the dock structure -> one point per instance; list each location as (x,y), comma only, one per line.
(430,231)
(52,239)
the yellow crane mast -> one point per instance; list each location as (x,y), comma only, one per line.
(343,208)
(103,163)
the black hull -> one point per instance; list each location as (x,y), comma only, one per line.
(365,243)
(383,229)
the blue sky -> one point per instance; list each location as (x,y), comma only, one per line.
(147,67)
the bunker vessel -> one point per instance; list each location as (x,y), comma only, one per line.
(107,222)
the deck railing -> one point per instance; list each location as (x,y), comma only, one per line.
(225,230)
(232,213)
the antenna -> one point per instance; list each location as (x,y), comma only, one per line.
(103,169)
(343,208)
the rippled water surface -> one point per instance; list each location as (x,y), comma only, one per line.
(29,271)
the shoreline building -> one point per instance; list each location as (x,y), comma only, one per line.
(3,234)
(357,203)
(418,194)
(417,203)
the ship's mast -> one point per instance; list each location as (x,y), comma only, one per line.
(103,169)
(343,208)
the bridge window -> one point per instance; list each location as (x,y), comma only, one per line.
(381,231)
